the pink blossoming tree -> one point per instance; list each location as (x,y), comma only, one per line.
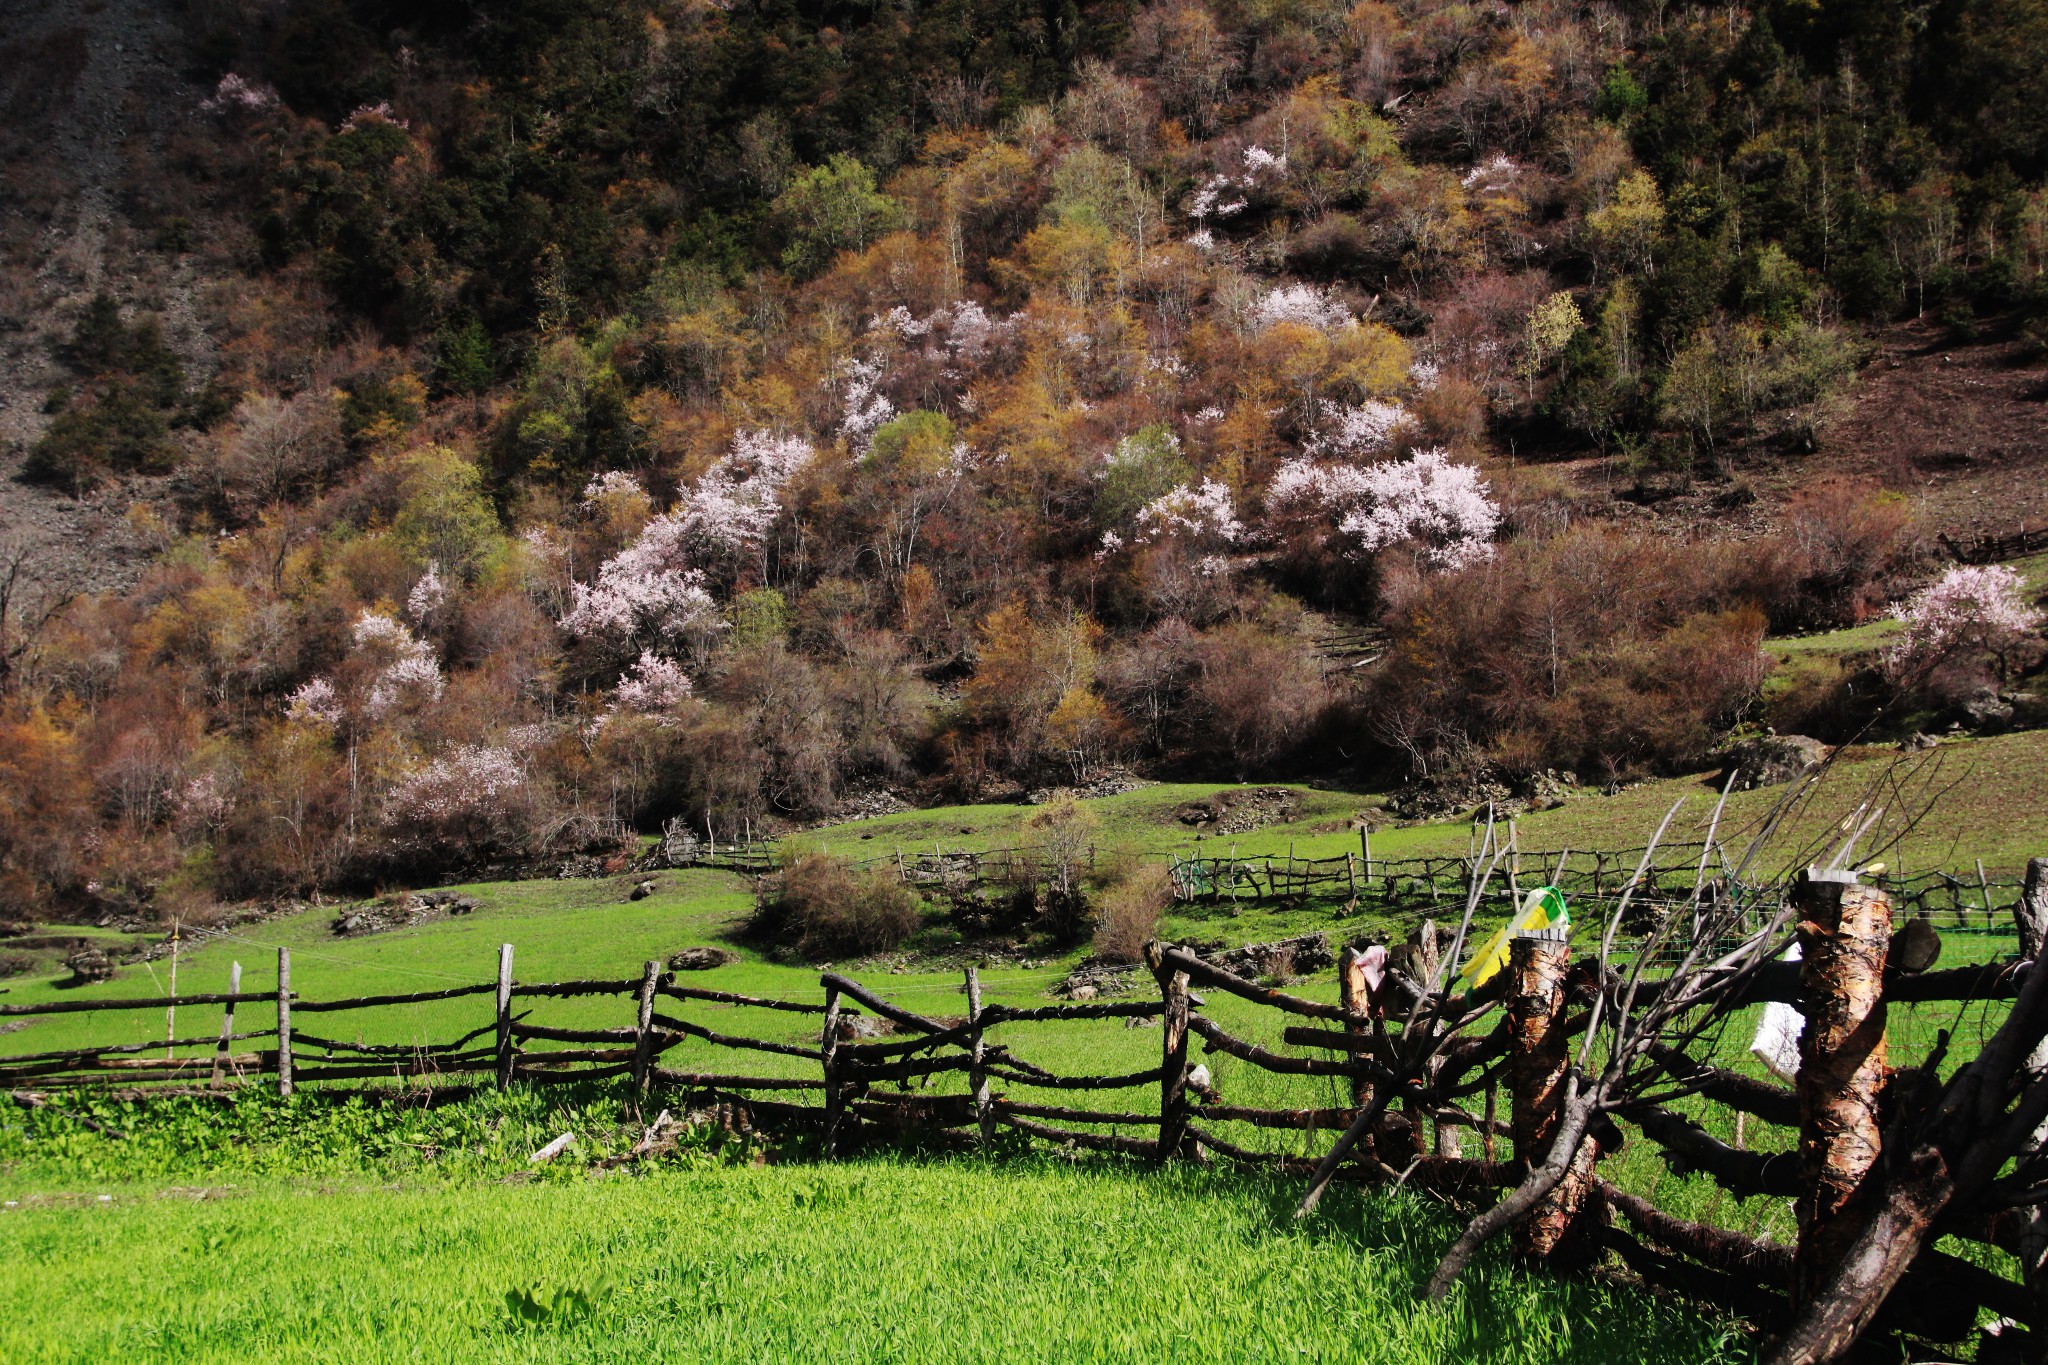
(1972,610)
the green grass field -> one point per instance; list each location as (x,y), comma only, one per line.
(398,1236)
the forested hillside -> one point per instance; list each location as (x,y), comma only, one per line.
(479,432)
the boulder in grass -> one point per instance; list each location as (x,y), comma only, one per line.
(1769,760)
(854,1027)
(701,959)
(1284,960)
(642,891)
(89,965)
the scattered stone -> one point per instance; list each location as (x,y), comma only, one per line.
(853,1027)
(642,890)
(1111,781)
(15,928)
(1240,810)
(399,912)
(1987,713)
(1771,759)
(1283,961)
(1443,795)
(16,964)
(89,965)
(1548,790)
(869,803)
(1919,742)
(701,959)
(1093,979)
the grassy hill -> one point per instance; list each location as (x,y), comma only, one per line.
(1986,811)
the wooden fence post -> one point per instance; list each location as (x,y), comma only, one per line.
(1173,1047)
(977,1075)
(227,1023)
(504,1015)
(1556,1231)
(284,1022)
(650,977)
(1365,848)
(1352,995)
(828,1051)
(1844,932)
(2031,914)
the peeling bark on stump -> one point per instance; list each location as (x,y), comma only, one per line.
(1556,1232)
(1845,930)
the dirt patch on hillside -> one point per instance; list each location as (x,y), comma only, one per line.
(1960,427)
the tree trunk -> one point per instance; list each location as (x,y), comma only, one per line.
(828,1053)
(1872,1259)
(1537,1040)
(1845,930)
(284,1022)
(2031,916)
(1354,997)
(643,1025)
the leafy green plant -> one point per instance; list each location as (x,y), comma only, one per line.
(537,1306)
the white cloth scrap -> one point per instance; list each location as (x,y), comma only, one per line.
(1776,1043)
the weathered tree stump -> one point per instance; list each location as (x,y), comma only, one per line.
(1845,931)
(1561,1231)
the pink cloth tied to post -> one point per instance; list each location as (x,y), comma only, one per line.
(1373,964)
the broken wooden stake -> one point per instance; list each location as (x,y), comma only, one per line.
(552,1150)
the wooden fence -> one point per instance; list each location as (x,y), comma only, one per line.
(1995,549)
(847,1087)
(1419,886)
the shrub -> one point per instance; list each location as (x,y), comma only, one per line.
(1127,913)
(829,908)
(1594,650)
(119,433)
(1255,694)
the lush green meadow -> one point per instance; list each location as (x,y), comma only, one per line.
(315,1232)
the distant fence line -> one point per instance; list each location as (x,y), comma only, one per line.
(1410,886)
(1995,549)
